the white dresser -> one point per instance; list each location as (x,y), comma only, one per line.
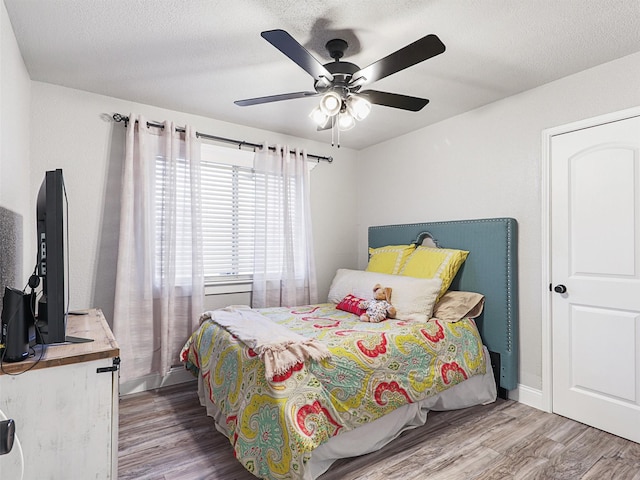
(66,407)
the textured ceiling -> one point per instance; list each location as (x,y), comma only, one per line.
(198,56)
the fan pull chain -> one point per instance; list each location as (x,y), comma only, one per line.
(335,137)
(333,127)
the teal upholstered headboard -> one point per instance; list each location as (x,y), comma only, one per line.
(491,269)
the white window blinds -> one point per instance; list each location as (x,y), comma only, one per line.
(228,216)
(228,205)
(229,189)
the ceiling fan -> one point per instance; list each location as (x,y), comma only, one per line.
(340,83)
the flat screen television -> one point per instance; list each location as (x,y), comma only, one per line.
(51,321)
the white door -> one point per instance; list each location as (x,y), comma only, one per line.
(595,256)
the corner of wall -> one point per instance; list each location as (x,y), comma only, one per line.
(529,396)
(15,163)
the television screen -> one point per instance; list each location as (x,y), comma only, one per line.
(51,237)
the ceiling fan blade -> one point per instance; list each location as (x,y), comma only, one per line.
(395,100)
(416,52)
(296,52)
(274,98)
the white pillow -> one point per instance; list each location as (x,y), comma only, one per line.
(413,298)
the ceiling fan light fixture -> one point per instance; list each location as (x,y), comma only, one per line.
(331,103)
(358,107)
(345,121)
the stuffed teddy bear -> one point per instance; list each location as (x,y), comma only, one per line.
(380,307)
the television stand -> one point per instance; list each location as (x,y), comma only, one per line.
(70,339)
(65,405)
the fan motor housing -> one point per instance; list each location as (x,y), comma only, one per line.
(345,68)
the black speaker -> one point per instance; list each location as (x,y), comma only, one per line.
(18,326)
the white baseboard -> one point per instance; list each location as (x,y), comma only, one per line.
(175,376)
(528,396)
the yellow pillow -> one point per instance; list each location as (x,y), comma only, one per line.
(389,259)
(429,262)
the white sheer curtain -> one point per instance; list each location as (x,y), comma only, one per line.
(160,282)
(284,265)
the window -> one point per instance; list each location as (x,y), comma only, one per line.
(229,187)
(228,213)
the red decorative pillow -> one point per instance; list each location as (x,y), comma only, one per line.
(350,304)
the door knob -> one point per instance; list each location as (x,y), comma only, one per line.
(560,289)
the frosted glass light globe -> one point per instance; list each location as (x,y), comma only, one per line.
(345,121)
(318,116)
(331,103)
(358,107)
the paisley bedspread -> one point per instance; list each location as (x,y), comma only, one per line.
(374,369)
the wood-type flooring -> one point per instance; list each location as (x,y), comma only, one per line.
(166,435)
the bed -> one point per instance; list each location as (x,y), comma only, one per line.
(374,380)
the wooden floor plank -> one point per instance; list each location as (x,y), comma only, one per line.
(612,469)
(166,435)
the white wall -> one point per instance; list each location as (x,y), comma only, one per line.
(487,163)
(14,140)
(73,130)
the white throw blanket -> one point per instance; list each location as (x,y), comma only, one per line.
(279,348)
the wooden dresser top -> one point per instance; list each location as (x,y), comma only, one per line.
(92,325)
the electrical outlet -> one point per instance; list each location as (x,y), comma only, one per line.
(7,434)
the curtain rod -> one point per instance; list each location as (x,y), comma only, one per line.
(123,118)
